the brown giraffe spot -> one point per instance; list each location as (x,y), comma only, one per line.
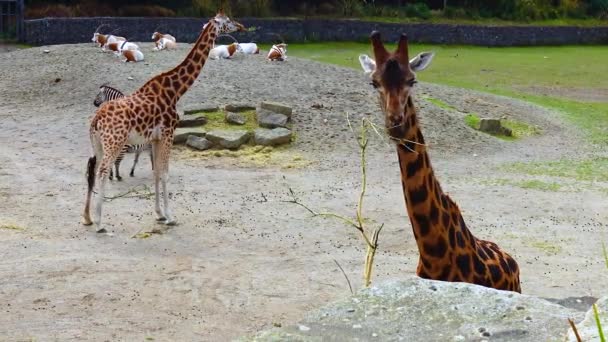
(423,224)
(166,82)
(464,265)
(437,249)
(478,265)
(460,239)
(190,68)
(434,214)
(445,272)
(414,167)
(445,219)
(495,273)
(418,195)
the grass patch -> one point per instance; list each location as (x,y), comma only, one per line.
(257,156)
(534,184)
(439,103)
(546,247)
(502,71)
(595,169)
(217,121)
(518,128)
(11,227)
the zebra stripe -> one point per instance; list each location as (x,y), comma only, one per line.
(107,93)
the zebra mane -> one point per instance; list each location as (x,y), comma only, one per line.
(105,86)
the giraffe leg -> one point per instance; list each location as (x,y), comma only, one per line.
(92,167)
(111,152)
(160,216)
(164,177)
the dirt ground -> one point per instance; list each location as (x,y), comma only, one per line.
(241,259)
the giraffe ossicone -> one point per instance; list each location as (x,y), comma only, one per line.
(448,250)
(148,115)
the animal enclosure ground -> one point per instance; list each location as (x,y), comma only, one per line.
(241,259)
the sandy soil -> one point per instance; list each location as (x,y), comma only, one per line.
(241,259)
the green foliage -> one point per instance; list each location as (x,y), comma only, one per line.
(472,120)
(418,10)
(594,169)
(596,315)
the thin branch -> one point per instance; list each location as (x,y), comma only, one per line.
(141,191)
(575,330)
(345,276)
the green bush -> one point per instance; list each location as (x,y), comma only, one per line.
(418,10)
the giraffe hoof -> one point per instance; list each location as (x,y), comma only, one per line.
(161,219)
(101,231)
(119,179)
(86,222)
(171,223)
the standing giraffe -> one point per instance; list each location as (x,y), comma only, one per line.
(148,116)
(448,250)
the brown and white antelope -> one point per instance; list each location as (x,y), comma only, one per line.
(104,39)
(250,48)
(163,41)
(225,51)
(278,52)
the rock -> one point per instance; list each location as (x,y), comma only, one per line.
(272,137)
(276,107)
(235,118)
(238,107)
(491,126)
(587,329)
(193,122)
(228,139)
(181,134)
(417,309)
(198,143)
(193,109)
(270,119)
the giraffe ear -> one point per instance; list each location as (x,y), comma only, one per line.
(220,12)
(368,64)
(421,61)
(380,52)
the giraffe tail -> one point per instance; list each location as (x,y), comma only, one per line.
(91,172)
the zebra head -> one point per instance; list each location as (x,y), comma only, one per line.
(106,93)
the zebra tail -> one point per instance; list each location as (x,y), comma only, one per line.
(91,172)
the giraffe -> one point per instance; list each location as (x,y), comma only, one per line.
(448,250)
(147,116)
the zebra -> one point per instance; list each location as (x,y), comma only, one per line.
(107,93)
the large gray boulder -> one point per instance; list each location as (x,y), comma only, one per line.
(277,108)
(198,143)
(201,108)
(192,121)
(587,329)
(228,139)
(425,310)
(272,137)
(235,118)
(270,119)
(238,107)
(181,134)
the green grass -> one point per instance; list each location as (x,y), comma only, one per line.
(595,169)
(217,121)
(533,184)
(490,21)
(472,120)
(439,103)
(518,128)
(509,71)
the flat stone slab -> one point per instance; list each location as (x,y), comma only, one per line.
(268,119)
(235,118)
(272,137)
(198,143)
(238,107)
(193,121)
(417,309)
(229,139)
(493,126)
(277,107)
(181,134)
(202,108)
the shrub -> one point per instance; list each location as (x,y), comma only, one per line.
(418,10)
(146,11)
(32,12)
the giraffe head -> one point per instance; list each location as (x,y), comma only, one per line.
(224,24)
(393,75)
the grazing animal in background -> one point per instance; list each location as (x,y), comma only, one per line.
(448,250)
(225,51)
(133,55)
(278,52)
(126,45)
(250,48)
(164,44)
(149,115)
(163,41)
(107,93)
(104,39)
(111,47)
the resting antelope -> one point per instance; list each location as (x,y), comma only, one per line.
(278,52)
(225,51)
(132,55)
(104,39)
(126,46)
(163,41)
(250,48)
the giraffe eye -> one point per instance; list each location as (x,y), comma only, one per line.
(375,84)
(411,82)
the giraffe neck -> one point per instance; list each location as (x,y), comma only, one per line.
(173,84)
(436,220)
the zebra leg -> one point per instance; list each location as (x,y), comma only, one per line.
(137,153)
(151,157)
(117,166)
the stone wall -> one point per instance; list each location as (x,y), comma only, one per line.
(78,30)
